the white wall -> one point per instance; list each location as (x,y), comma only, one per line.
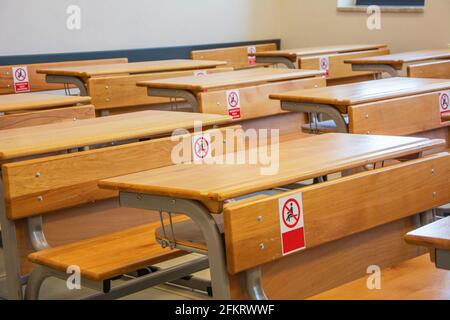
(317,22)
(39,26)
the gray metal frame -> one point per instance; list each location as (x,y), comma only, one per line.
(376,68)
(13,278)
(443,259)
(329,110)
(175,93)
(253,279)
(68,80)
(277,60)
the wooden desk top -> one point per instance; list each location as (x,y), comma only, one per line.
(397,60)
(15,143)
(293,54)
(300,159)
(435,235)
(35,101)
(363,92)
(134,68)
(230,79)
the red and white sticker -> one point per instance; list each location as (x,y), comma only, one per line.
(325,65)
(234,104)
(201,147)
(444,104)
(292,224)
(251,58)
(21,79)
(200,73)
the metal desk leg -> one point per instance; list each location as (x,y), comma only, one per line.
(277,60)
(377,68)
(329,110)
(174,93)
(69,80)
(203,218)
(11,253)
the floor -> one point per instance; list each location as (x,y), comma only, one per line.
(55,289)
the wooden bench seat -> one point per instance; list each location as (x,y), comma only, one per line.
(414,279)
(109,256)
(434,235)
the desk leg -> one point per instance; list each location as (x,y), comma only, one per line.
(11,253)
(376,68)
(277,60)
(68,80)
(203,218)
(174,93)
(329,110)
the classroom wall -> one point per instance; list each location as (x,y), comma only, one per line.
(317,22)
(31,27)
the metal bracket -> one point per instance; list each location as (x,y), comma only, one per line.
(442,259)
(277,60)
(68,80)
(329,110)
(376,68)
(174,93)
(36,233)
(253,278)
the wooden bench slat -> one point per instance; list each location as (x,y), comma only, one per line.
(236,57)
(109,256)
(434,70)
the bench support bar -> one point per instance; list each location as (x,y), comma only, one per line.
(332,112)
(36,234)
(442,259)
(204,220)
(174,93)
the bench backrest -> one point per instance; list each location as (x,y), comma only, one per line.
(37,81)
(46,184)
(36,118)
(436,70)
(237,57)
(254,100)
(335,209)
(336,66)
(121,91)
(402,116)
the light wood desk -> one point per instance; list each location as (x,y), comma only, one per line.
(393,63)
(395,106)
(331,210)
(90,149)
(105,83)
(436,237)
(328,58)
(209,93)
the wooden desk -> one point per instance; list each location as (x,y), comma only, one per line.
(330,59)
(396,106)
(393,63)
(436,237)
(79,76)
(37,101)
(77,204)
(190,88)
(201,190)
